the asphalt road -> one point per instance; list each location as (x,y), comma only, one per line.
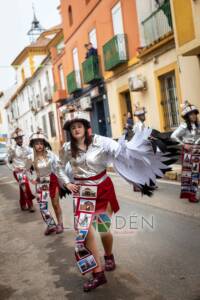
(157,250)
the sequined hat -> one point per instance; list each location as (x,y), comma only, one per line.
(139,110)
(17,133)
(39,135)
(78,116)
(188,108)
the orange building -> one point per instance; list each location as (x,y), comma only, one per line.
(112,28)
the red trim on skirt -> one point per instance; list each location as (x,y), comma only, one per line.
(25,198)
(98,176)
(105,193)
(53,186)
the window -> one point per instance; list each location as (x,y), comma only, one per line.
(169,101)
(117,19)
(52,124)
(33,96)
(28,97)
(40,90)
(31,126)
(23,74)
(76,66)
(48,83)
(23,103)
(93,37)
(62,77)
(60,47)
(75,59)
(70,15)
(44,124)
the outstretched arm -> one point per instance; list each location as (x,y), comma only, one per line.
(136,161)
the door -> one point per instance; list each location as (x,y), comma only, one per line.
(169,102)
(93,37)
(76,66)
(126,106)
(101,118)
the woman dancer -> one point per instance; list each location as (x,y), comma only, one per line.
(188,135)
(93,191)
(45,164)
(16,161)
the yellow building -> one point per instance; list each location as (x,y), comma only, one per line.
(186,22)
(160,77)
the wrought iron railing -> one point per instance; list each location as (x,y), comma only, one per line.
(158,24)
(115,52)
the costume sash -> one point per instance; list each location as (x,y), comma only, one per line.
(84,209)
(190,177)
(22,179)
(43,195)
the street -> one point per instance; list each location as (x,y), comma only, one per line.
(156,245)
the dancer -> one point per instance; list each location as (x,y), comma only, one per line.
(45,164)
(93,191)
(140,113)
(16,161)
(188,136)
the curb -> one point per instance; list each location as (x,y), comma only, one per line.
(171,175)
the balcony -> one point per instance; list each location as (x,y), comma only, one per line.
(158,24)
(59,94)
(115,52)
(90,69)
(73,82)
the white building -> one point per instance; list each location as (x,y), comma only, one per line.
(4,126)
(31,105)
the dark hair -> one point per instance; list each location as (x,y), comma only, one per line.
(188,122)
(46,144)
(87,141)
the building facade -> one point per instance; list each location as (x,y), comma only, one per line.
(31,106)
(4,125)
(186,22)
(85,78)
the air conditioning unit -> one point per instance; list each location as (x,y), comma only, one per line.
(137,83)
(86,103)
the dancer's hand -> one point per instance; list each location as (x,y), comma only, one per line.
(73,188)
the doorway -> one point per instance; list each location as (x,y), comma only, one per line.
(126,106)
(98,118)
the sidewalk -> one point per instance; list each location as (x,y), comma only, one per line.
(175,174)
(166,197)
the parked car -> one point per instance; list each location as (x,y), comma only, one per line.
(3,153)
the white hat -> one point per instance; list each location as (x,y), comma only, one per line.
(139,110)
(188,108)
(38,135)
(17,133)
(77,116)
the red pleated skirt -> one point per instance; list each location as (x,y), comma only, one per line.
(53,186)
(105,193)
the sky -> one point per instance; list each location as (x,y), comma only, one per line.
(15,21)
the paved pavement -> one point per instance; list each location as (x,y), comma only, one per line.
(157,250)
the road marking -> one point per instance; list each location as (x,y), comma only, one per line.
(5,177)
(169,181)
(158,180)
(8,182)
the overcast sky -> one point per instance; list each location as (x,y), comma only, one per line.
(15,20)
